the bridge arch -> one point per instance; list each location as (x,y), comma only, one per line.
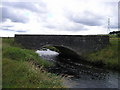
(63,51)
(78,44)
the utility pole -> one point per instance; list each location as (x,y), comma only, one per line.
(108,26)
(119,16)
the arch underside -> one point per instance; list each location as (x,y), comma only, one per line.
(65,51)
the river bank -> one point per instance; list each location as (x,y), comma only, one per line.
(107,57)
(23,68)
(79,75)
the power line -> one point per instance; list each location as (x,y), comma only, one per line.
(108,25)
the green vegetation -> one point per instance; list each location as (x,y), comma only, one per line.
(107,57)
(23,68)
(51,48)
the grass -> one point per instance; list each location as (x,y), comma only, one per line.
(19,54)
(108,56)
(53,48)
(23,68)
(16,52)
(21,74)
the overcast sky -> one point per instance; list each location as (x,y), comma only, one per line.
(76,17)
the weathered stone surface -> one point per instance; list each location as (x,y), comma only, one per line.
(78,43)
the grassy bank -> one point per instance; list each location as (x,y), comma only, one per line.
(51,48)
(23,68)
(107,57)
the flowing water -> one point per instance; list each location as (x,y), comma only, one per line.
(80,75)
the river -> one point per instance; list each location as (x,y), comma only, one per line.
(80,75)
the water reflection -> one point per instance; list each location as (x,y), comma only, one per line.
(48,54)
(80,75)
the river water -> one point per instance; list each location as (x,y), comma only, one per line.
(80,75)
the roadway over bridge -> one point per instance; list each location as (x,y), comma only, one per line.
(79,44)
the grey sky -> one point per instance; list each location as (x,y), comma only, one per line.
(58,17)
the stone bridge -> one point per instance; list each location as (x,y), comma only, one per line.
(78,44)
